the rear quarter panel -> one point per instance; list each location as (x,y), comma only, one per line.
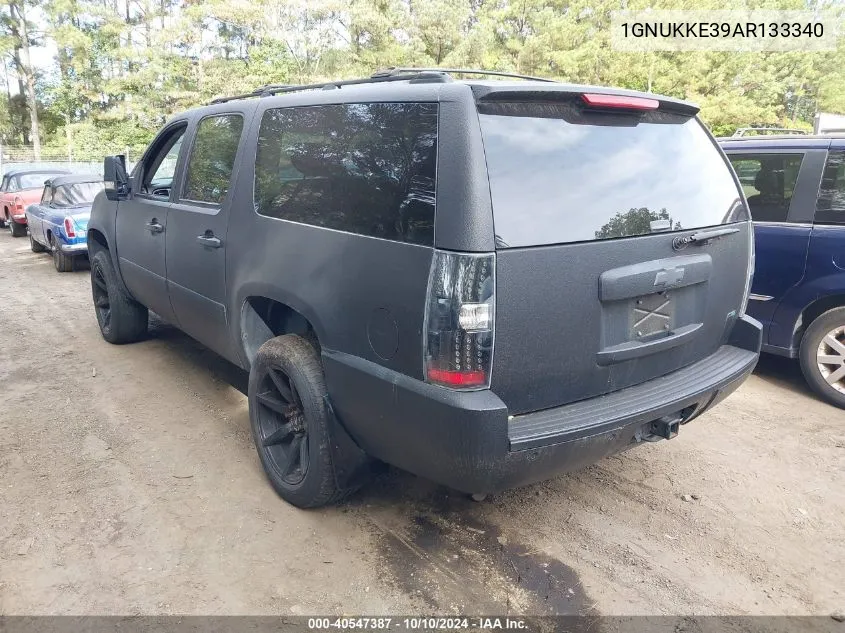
(364,296)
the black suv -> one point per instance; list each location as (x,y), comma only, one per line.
(482,282)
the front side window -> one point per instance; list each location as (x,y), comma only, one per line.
(768,181)
(46,195)
(831,204)
(160,164)
(363,168)
(213,158)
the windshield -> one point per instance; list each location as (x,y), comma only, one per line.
(76,194)
(34,181)
(558,174)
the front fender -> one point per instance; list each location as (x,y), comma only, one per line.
(103,220)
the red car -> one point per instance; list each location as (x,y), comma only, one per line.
(20,188)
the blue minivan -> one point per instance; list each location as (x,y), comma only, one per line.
(795,186)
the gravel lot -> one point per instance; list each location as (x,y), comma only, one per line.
(129,485)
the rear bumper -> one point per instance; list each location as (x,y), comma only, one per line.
(75,248)
(467,440)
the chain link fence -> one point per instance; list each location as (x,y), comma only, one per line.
(24,157)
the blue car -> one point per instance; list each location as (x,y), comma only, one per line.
(59,222)
(795,186)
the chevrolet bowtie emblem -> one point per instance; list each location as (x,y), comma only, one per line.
(669,277)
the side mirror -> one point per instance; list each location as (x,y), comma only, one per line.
(115,178)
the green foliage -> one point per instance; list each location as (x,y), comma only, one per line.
(124,66)
(635,222)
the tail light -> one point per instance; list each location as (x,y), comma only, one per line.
(69,228)
(19,206)
(460,314)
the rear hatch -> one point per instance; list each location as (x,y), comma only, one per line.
(596,288)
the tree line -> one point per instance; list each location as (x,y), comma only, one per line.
(123,66)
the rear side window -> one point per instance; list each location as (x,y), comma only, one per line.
(831,204)
(768,181)
(558,174)
(213,158)
(362,168)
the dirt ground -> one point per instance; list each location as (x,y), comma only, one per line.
(129,485)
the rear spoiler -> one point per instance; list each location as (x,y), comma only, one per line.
(588,96)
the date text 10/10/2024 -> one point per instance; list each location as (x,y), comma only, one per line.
(417,623)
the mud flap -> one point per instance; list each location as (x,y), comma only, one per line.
(352,466)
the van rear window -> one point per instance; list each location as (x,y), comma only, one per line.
(558,174)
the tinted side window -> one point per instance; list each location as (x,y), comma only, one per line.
(768,181)
(159,163)
(362,168)
(831,204)
(213,158)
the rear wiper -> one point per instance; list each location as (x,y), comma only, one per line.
(701,237)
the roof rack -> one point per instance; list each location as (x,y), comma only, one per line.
(393,71)
(420,75)
(274,89)
(741,132)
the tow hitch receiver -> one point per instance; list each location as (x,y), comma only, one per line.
(667,426)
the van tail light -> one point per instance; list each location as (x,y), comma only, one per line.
(459,320)
(70,229)
(620,101)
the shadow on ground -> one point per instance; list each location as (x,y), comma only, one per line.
(436,544)
(783,372)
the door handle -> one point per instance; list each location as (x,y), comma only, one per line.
(153,226)
(208,239)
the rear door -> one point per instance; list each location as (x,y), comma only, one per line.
(781,187)
(197,227)
(141,222)
(825,270)
(594,290)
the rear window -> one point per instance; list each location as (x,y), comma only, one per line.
(558,174)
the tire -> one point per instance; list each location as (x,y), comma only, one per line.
(287,374)
(17,230)
(62,261)
(121,318)
(35,247)
(826,379)
(2,222)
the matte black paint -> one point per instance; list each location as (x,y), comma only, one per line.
(365,298)
(551,320)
